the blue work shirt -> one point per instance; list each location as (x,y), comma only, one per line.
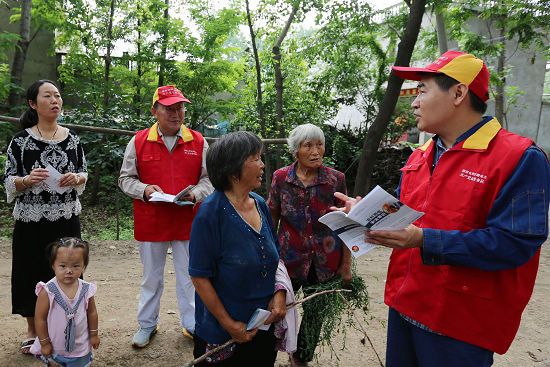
(517,224)
(239,262)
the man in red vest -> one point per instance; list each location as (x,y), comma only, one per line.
(460,277)
(165,158)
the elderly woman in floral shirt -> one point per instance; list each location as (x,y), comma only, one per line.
(300,194)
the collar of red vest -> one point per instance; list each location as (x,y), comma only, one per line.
(479,140)
(154,134)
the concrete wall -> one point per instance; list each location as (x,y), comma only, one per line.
(543,135)
(527,71)
(41,60)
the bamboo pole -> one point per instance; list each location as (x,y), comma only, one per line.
(106,130)
(288,307)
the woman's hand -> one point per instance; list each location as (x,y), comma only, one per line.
(69,179)
(238,332)
(344,271)
(277,306)
(37,175)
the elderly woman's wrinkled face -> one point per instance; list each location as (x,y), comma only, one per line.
(310,154)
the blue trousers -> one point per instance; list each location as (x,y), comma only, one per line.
(410,346)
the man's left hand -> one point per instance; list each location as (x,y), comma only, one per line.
(189,196)
(409,237)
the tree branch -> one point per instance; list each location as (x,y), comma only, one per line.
(288,307)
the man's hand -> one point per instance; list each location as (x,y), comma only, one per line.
(189,196)
(149,190)
(349,202)
(409,237)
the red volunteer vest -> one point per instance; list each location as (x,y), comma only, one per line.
(478,307)
(155,222)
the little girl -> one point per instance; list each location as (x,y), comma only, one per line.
(65,316)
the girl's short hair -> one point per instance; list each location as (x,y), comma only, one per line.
(29,118)
(226,156)
(303,133)
(68,242)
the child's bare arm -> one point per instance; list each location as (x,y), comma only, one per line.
(93,323)
(41,323)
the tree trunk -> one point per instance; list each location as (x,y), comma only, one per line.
(279,81)
(378,127)
(137,95)
(106,91)
(441,34)
(499,88)
(267,169)
(15,98)
(162,68)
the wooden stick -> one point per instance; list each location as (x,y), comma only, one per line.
(361,326)
(288,307)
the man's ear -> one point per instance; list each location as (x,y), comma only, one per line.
(153,111)
(460,93)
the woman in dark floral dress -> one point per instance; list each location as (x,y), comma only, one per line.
(42,213)
(300,194)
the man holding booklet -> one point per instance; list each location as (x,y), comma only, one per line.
(460,277)
(161,162)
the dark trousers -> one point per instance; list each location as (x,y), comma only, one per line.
(411,346)
(259,352)
(312,319)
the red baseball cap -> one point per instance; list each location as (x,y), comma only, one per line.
(464,68)
(168,95)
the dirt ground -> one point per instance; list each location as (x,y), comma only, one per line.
(116,267)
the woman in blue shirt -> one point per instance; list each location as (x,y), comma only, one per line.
(234,255)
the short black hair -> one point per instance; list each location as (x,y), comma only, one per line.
(445,82)
(227,155)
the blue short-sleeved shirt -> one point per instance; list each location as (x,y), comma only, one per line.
(240,262)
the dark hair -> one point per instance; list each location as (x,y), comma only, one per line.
(227,155)
(445,82)
(68,242)
(29,118)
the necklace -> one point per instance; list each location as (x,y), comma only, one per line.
(55,132)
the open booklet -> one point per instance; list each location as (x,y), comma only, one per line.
(176,199)
(377,210)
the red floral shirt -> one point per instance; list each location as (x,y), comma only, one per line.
(304,240)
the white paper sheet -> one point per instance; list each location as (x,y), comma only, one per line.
(53,180)
(257,320)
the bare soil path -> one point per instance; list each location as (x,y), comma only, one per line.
(116,267)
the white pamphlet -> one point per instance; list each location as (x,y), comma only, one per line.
(168,198)
(53,180)
(377,210)
(257,320)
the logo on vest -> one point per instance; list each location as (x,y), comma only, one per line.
(473,176)
(190,152)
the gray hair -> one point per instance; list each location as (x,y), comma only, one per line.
(303,133)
